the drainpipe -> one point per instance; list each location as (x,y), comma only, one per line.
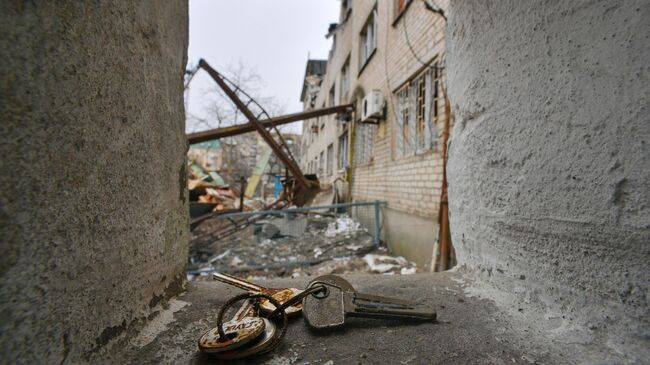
(444,237)
(351,144)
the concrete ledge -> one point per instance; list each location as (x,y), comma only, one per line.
(469,330)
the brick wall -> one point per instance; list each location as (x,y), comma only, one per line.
(410,184)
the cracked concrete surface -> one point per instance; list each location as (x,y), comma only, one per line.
(469,330)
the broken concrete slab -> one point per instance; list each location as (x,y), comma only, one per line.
(293,226)
(269,230)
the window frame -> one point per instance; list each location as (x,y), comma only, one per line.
(321,163)
(366,54)
(344,85)
(343,148)
(330,159)
(417,112)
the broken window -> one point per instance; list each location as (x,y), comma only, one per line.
(417,113)
(330,159)
(343,150)
(368,38)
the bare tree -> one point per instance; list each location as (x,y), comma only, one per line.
(239,152)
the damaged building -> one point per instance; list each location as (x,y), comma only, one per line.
(548,167)
(387,60)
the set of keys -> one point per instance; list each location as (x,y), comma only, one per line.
(326,303)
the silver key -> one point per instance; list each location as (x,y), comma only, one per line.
(339,300)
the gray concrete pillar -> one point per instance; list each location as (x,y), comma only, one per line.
(93,202)
(549,165)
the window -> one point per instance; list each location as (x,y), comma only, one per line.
(368,39)
(346,9)
(321,163)
(363,143)
(343,151)
(417,113)
(345,80)
(404,133)
(331,101)
(330,159)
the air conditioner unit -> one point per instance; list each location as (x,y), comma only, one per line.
(372,107)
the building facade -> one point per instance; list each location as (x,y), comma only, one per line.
(395,50)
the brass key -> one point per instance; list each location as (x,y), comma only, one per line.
(242,329)
(279,294)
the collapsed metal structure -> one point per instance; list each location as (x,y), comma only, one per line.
(301,188)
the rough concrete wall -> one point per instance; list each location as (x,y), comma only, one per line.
(93,212)
(549,164)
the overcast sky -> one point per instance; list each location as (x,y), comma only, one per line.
(273,37)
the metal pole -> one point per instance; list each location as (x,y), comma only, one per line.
(241,195)
(377,228)
(301,209)
(234,130)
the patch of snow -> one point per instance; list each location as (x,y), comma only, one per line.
(236,261)
(383,263)
(407,271)
(342,225)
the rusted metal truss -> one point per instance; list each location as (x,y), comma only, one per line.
(267,123)
(303,188)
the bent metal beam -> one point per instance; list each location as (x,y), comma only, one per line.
(249,127)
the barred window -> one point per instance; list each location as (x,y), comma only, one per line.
(417,113)
(363,143)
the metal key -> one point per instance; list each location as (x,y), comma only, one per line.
(339,300)
(242,329)
(279,294)
(256,347)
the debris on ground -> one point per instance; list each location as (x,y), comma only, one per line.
(210,187)
(290,245)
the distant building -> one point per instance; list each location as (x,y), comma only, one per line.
(394,50)
(235,157)
(208,155)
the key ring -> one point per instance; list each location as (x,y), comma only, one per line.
(297,298)
(235,299)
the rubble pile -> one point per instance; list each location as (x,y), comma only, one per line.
(291,245)
(210,188)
